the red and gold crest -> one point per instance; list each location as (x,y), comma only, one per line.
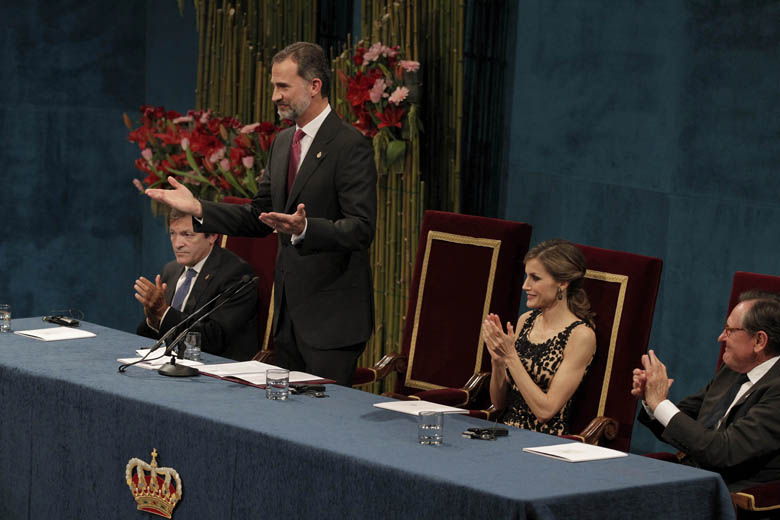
(156,490)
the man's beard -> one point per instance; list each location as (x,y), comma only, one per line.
(295,110)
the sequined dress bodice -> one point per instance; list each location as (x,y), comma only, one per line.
(541,361)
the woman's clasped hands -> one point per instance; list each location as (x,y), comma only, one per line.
(500,344)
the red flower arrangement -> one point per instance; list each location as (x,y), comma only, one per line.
(213,156)
(381,91)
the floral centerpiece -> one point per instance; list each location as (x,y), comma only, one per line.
(213,156)
(382,91)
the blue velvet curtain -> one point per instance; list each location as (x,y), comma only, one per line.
(654,127)
(75,232)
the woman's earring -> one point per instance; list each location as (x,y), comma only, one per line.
(559,294)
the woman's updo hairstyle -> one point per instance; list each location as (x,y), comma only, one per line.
(566,263)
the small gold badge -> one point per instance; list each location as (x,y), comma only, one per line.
(152,487)
(319,154)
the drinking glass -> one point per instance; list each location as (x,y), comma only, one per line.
(430,428)
(5,317)
(277,384)
(192,346)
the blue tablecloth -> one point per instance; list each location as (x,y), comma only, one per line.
(71,423)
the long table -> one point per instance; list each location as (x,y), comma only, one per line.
(70,423)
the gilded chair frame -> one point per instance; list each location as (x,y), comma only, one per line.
(622,281)
(495,246)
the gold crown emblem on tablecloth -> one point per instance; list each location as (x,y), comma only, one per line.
(156,490)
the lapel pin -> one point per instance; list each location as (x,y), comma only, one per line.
(319,154)
(208,276)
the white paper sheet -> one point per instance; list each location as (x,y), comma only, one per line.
(259,378)
(55,333)
(237,368)
(416,406)
(575,452)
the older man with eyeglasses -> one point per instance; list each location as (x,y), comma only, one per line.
(732,426)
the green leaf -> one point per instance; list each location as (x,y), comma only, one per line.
(190,175)
(385,71)
(396,150)
(251,184)
(233,182)
(191,161)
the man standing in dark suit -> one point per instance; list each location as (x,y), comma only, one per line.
(732,426)
(200,272)
(319,195)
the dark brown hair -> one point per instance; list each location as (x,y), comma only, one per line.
(175,214)
(566,263)
(311,61)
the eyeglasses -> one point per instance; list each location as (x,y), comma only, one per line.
(728,331)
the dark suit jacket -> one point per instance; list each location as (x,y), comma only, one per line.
(746,447)
(232,330)
(326,279)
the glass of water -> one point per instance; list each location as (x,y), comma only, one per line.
(5,317)
(430,428)
(277,384)
(192,346)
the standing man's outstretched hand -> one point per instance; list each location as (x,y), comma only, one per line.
(180,197)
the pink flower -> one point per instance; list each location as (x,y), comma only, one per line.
(398,95)
(248,129)
(374,52)
(377,92)
(146,153)
(216,156)
(410,65)
(204,118)
(185,144)
(224,164)
(248,161)
(183,119)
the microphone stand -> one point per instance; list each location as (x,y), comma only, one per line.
(171,368)
(157,344)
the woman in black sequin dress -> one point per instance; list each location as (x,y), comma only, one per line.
(537,369)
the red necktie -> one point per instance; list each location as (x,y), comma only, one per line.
(295,158)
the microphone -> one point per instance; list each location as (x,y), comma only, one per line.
(231,289)
(172,369)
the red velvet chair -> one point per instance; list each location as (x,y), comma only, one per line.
(466,266)
(622,288)
(260,253)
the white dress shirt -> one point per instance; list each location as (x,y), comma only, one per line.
(667,409)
